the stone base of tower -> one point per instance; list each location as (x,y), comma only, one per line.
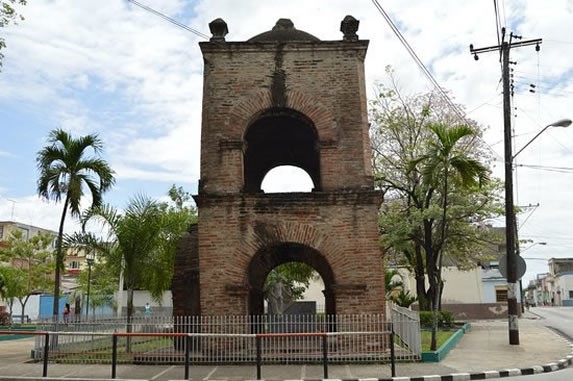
(241,238)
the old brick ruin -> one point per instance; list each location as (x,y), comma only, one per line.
(283,97)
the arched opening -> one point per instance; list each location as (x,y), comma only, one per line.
(286,178)
(293,288)
(268,258)
(280,137)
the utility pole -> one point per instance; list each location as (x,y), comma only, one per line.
(510,221)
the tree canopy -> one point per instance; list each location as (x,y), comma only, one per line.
(8,15)
(140,243)
(28,268)
(433,169)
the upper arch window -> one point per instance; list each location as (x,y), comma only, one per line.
(280,137)
(286,178)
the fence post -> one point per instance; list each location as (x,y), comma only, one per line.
(325,355)
(113,355)
(259,356)
(392,354)
(187,354)
(46,350)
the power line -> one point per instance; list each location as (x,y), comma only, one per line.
(169,19)
(427,73)
(418,61)
(547,168)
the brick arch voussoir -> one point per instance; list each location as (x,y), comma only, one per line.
(242,114)
(311,107)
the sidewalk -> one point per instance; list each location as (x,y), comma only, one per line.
(484,348)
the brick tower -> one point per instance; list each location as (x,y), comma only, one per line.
(283,97)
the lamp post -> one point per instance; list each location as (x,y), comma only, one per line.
(90,261)
(510,220)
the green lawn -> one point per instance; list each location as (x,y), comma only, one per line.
(441,338)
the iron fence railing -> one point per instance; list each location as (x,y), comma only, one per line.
(407,328)
(285,339)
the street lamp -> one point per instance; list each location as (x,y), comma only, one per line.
(559,123)
(511,226)
(533,244)
(90,261)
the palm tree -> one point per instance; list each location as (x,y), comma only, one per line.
(66,170)
(446,162)
(141,241)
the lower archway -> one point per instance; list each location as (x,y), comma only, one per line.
(272,256)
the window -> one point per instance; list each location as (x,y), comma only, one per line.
(25,232)
(74,265)
(1,231)
(500,294)
(570,294)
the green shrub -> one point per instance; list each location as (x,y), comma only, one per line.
(445,319)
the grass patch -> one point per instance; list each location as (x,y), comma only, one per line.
(441,338)
(99,350)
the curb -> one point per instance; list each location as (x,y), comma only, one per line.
(536,369)
(445,348)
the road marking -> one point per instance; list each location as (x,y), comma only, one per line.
(162,373)
(210,373)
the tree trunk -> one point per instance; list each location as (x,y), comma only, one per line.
(59,261)
(129,317)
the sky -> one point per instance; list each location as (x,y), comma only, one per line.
(114,69)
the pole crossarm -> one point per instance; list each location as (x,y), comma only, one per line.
(496,48)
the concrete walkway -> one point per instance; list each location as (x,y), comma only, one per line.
(484,350)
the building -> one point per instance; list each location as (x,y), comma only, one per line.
(283,97)
(478,293)
(561,274)
(7,227)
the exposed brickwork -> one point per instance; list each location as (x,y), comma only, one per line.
(324,81)
(244,233)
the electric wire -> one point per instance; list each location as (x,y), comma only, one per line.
(547,168)
(427,73)
(169,19)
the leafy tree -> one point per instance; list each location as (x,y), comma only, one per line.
(141,243)
(11,286)
(103,284)
(66,170)
(141,240)
(29,267)
(443,167)
(425,218)
(8,14)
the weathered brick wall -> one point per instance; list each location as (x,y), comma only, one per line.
(341,226)
(334,228)
(323,80)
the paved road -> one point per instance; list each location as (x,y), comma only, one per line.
(560,318)
(562,375)
(485,347)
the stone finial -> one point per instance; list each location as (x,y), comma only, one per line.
(283,24)
(218,28)
(349,27)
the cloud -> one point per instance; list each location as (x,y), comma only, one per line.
(136,80)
